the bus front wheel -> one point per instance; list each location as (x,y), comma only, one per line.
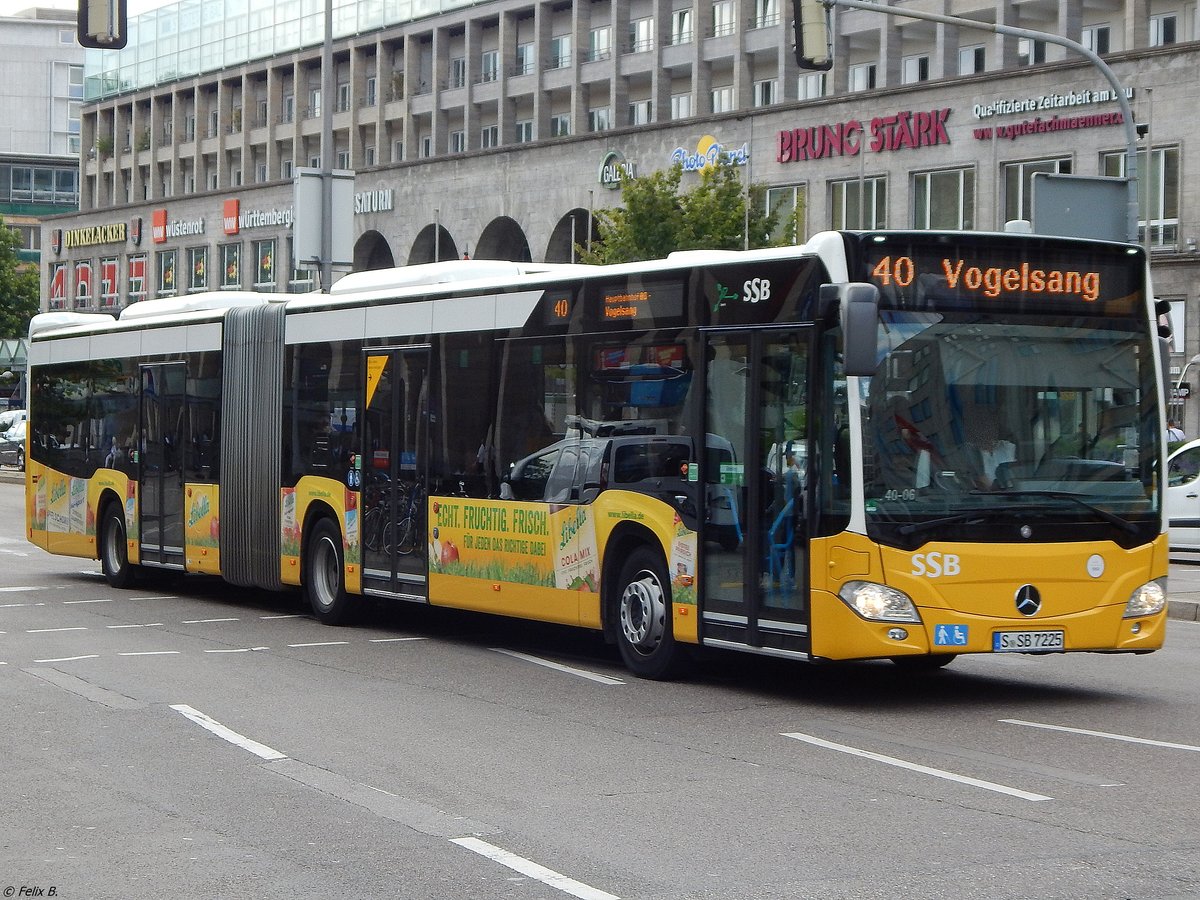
(325,574)
(114,546)
(643,611)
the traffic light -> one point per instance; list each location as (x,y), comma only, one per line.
(813,47)
(103,24)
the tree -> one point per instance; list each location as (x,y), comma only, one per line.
(19,287)
(656,219)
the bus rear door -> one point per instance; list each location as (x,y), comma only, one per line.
(394,497)
(755,554)
(162,427)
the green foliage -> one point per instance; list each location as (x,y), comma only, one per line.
(656,219)
(19,287)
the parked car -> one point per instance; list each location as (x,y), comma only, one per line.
(11,417)
(1183,496)
(579,468)
(12,446)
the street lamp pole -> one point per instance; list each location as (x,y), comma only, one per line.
(1131,163)
(1175,401)
(1188,365)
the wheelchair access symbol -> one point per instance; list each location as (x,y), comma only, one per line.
(950,635)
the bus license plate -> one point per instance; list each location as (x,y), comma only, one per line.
(1026,641)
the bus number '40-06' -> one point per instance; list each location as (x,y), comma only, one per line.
(901,271)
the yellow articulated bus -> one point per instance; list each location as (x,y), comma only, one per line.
(898,445)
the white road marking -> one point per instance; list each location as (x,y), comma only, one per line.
(206,621)
(239,650)
(51,630)
(68,658)
(292,616)
(12,605)
(531,869)
(916,767)
(151,653)
(105,600)
(396,640)
(12,552)
(559,667)
(156,597)
(143,625)
(19,588)
(260,750)
(320,644)
(1104,734)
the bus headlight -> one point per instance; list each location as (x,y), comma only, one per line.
(1147,600)
(878,602)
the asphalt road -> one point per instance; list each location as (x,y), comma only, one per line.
(189,739)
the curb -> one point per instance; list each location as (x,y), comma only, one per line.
(1185,610)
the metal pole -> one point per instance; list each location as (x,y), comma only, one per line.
(1149,163)
(327,89)
(1131,174)
(746,218)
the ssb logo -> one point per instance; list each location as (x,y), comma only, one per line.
(756,289)
(936,565)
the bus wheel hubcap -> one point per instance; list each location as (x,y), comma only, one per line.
(325,571)
(643,613)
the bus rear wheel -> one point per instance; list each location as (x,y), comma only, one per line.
(325,574)
(114,546)
(643,611)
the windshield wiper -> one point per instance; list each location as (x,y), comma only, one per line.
(1111,518)
(930,524)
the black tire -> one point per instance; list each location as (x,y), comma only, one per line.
(642,611)
(325,574)
(114,546)
(930,663)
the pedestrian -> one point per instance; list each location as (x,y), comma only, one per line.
(1174,432)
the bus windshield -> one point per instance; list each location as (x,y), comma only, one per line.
(985,427)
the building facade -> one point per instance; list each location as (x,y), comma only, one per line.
(41,96)
(495,130)
(41,83)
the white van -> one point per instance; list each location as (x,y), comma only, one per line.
(11,417)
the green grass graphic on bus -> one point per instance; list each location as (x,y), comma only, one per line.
(521,543)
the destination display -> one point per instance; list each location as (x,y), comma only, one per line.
(990,271)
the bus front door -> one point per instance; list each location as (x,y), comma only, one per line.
(393,483)
(755,554)
(162,427)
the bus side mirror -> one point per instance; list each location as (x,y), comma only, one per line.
(858,310)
